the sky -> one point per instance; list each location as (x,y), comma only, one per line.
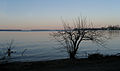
(46,14)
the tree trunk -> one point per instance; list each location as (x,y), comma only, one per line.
(72,55)
(9,52)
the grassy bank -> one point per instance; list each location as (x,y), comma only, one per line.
(108,63)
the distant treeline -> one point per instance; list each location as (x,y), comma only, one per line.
(114,27)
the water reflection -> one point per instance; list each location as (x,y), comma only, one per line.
(114,33)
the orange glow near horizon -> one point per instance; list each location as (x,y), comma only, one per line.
(50,27)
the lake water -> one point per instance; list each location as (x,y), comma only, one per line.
(41,46)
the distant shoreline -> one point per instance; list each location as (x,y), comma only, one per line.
(29,30)
(54,30)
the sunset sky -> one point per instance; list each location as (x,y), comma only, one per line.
(46,14)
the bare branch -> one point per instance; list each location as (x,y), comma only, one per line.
(71,36)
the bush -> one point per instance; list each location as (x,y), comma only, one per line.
(95,56)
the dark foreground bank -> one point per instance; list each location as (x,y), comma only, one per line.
(88,64)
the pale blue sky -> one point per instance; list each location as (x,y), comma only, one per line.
(43,14)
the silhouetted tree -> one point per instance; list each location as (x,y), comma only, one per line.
(9,48)
(71,36)
(114,27)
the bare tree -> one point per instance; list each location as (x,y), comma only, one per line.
(71,36)
(5,56)
(9,48)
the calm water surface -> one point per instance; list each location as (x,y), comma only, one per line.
(41,46)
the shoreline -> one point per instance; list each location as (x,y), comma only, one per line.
(85,64)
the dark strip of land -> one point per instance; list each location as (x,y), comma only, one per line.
(112,28)
(104,64)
